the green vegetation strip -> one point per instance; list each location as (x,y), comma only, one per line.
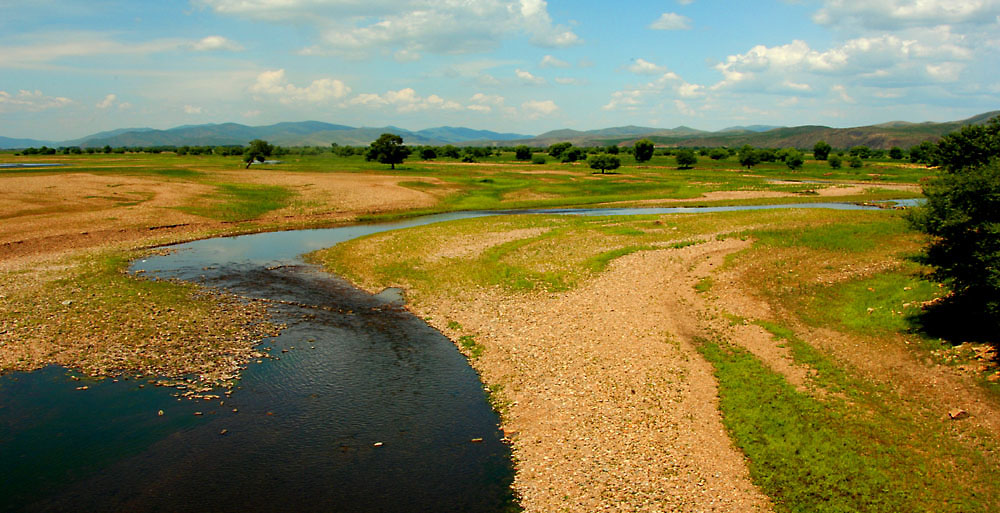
(241,202)
(834,455)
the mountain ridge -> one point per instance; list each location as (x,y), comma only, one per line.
(318,133)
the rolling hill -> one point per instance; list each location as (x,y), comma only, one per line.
(318,133)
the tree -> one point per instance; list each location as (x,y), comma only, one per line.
(557,149)
(612,149)
(923,153)
(749,157)
(258,150)
(972,146)
(860,152)
(718,154)
(450,152)
(821,150)
(686,159)
(388,149)
(834,161)
(962,214)
(793,159)
(896,153)
(643,149)
(855,162)
(573,155)
(604,162)
(428,153)
(522,152)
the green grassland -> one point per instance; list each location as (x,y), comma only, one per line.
(496,182)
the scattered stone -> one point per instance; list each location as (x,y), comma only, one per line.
(377,444)
(198,413)
(159,413)
(476,440)
(223,431)
(82,388)
(957,414)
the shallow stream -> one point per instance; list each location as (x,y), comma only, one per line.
(364,408)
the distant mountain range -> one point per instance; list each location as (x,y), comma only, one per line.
(316,133)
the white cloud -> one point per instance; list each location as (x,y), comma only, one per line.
(528,78)
(485,103)
(107,102)
(274,85)
(534,109)
(841,93)
(671,21)
(191,109)
(897,14)
(30,101)
(551,62)
(212,43)
(251,113)
(353,28)
(669,84)
(684,109)
(569,81)
(47,47)
(644,67)
(404,100)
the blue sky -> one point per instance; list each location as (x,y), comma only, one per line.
(69,68)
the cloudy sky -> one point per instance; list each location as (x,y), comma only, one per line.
(69,68)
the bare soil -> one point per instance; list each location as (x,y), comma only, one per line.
(47,222)
(611,408)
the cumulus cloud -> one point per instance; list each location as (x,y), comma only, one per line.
(404,100)
(273,84)
(192,109)
(30,101)
(485,103)
(528,78)
(551,62)
(671,21)
(644,67)
(107,102)
(667,85)
(534,109)
(412,26)
(896,14)
(882,60)
(211,43)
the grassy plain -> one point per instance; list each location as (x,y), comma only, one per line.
(836,293)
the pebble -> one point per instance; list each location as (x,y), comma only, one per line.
(159,413)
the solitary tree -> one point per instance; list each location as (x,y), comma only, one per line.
(749,156)
(388,149)
(821,150)
(643,150)
(686,159)
(896,153)
(835,161)
(258,150)
(604,162)
(428,153)
(522,152)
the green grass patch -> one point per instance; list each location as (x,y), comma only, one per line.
(704,285)
(829,455)
(468,342)
(242,202)
(859,235)
(885,303)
